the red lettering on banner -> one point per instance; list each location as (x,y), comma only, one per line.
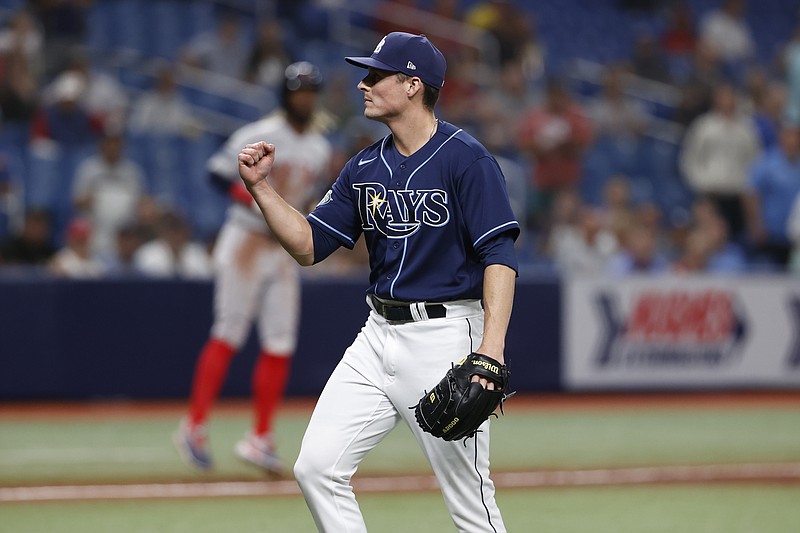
(703,316)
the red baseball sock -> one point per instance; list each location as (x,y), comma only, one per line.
(209,374)
(269,382)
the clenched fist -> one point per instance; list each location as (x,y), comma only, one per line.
(255,163)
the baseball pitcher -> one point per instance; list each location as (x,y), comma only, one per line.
(432,205)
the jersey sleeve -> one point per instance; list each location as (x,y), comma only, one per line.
(337,214)
(499,250)
(484,202)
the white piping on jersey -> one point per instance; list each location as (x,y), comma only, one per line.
(431,157)
(408,181)
(361,162)
(383,143)
(330,227)
(513,222)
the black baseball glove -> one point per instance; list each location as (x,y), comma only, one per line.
(456,407)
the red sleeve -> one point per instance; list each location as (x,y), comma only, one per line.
(582,127)
(239,193)
(97,124)
(40,129)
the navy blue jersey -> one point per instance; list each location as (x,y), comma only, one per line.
(425,218)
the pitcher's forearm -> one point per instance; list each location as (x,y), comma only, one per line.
(498,300)
(286,223)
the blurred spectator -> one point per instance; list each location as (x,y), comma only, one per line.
(772,185)
(639,253)
(337,100)
(515,32)
(11,199)
(66,121)
(705,73)
(727,32)
(18,83)
(34,243)
(724,256)
(679,37)
(500,104)
(716,154)
(460,96)
(555,135)
(616,116)
(173,254)
(119,262)
(23,38)
(516,177)
(648,61)
(5,176)
(223,50)
(617,206)
(649,214)
(584,247)
(64,23)
(793,232)
(696,254)
(791,66)
(76,259)
(769,103)
(162,110)
(103,95)
(269,57)
(148,213)
(107,188)
(564,213)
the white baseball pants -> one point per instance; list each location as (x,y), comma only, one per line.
(388,368)
(255,281)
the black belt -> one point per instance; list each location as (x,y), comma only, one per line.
(407,312)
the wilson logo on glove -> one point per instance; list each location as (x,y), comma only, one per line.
(457,407)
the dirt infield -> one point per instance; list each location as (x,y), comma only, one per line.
(531,402)
(745,473)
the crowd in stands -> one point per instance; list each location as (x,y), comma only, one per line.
(579,160)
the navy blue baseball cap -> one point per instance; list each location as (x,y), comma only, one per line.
(413,55)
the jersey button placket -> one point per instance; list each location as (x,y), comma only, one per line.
(393,249)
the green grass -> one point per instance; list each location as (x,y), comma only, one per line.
(659,509)
(115,449)
(64,450)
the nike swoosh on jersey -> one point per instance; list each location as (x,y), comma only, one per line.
(365,161)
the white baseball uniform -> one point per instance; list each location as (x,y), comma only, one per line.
(255,279)
(431,222)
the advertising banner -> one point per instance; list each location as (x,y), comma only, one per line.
(681,332)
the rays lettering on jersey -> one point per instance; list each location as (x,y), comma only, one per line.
(400,213)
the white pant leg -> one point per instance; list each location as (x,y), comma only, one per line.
(279,318)
(237,291)
(385,371)
(351,417)
(425,351)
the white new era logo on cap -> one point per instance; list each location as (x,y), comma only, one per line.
(411,66)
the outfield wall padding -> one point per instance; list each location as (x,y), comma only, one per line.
(107,339)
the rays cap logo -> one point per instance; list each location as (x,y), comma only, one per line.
(413,55)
